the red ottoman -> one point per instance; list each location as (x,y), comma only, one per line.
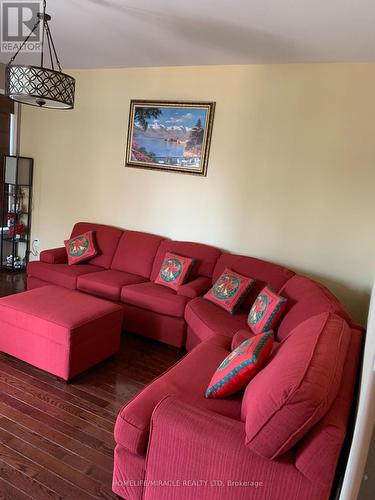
(58,330)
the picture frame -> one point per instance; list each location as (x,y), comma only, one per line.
(170,136)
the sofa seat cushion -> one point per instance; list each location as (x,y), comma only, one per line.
(298,385)
(60,274)
(207,319)
(156,298)
(133,421)
(107,284)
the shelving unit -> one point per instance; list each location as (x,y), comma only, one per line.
(15,222)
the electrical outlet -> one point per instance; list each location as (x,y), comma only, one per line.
(36,243)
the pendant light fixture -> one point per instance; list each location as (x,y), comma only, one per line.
(39,85)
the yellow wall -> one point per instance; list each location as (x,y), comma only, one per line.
(291,175)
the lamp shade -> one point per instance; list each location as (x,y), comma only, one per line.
(40,86)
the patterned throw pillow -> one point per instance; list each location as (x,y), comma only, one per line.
(266,311)
(240,366)
(174,270)
(81,248)
(229,290)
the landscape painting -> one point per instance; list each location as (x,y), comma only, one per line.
(170,136)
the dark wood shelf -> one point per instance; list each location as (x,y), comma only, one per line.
(17,200)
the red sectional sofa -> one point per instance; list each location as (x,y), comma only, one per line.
(281,437)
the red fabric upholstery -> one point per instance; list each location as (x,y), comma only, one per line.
(166,329)
(265,273)
(133,421)
(35,283)
(59,330)
(195,288)
(128,474)
(305,298)
(190,443)
(54,256)
(136,253)
(153,297)
(297,387)
(106,239)
(205,257)
(239,337)
(107,284)
(60,274)
(207,319)
(318,453)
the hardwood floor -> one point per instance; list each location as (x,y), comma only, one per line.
(56,438)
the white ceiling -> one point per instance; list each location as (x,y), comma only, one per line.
(120,33)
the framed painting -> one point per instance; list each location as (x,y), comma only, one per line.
(171,136)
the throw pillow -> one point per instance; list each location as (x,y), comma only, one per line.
(266,311)
(174,271)
(81,248)
(229,290)
(240,366)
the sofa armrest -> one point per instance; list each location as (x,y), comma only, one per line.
(195,288)
(54,256)
(187,442)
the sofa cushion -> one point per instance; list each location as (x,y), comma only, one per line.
(133,422)
(136,253)
(81,248)
(240,366)
(266,311)
(297,387)
(264,273)
(229,290)
(306,298)
(207,319)
(60,274)
(107,284)
(106,238)
(174,271)
(205,257)
(156,298)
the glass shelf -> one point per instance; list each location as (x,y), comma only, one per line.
(16,240)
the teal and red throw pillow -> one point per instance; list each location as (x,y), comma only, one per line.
(266,311)
(81,248)
(174,271)
(229,290)
(240,366)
